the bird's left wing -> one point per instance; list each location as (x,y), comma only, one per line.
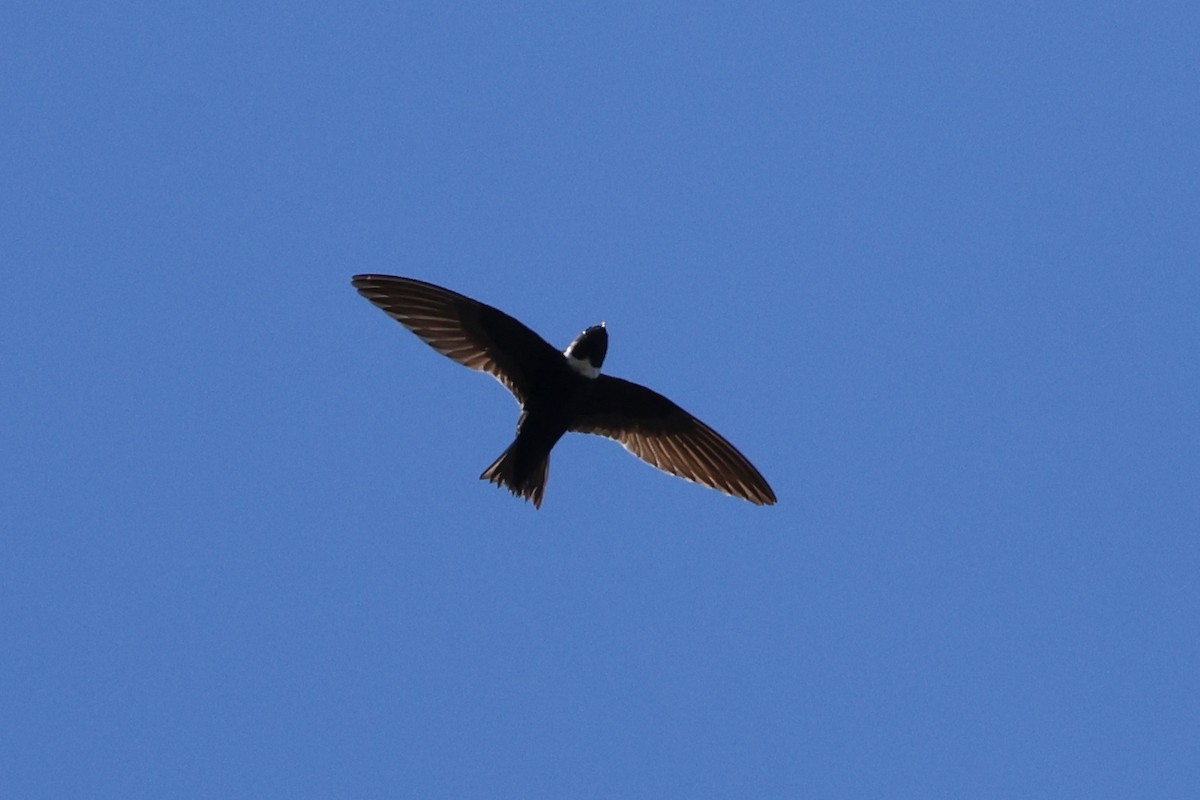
(474,334)
(665,436)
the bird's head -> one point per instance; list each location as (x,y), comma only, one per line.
(586,353)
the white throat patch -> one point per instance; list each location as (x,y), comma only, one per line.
(583,367)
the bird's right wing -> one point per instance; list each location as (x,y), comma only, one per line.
(472,333)
(665,436)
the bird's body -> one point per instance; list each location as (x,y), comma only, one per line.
(561,393)
(545,417)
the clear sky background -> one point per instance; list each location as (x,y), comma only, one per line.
(935,268)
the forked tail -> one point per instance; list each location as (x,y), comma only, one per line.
(513,471)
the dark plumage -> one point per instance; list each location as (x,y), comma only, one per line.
(561,392)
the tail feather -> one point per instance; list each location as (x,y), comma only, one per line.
(509,472)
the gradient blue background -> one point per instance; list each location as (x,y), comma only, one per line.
(932,267)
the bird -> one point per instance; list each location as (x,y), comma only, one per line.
(561,392)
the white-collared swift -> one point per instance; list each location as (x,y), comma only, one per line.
(562,392)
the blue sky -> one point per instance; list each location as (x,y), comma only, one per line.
(932,267)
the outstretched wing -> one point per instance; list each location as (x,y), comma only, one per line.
(665,436)
(472,333)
